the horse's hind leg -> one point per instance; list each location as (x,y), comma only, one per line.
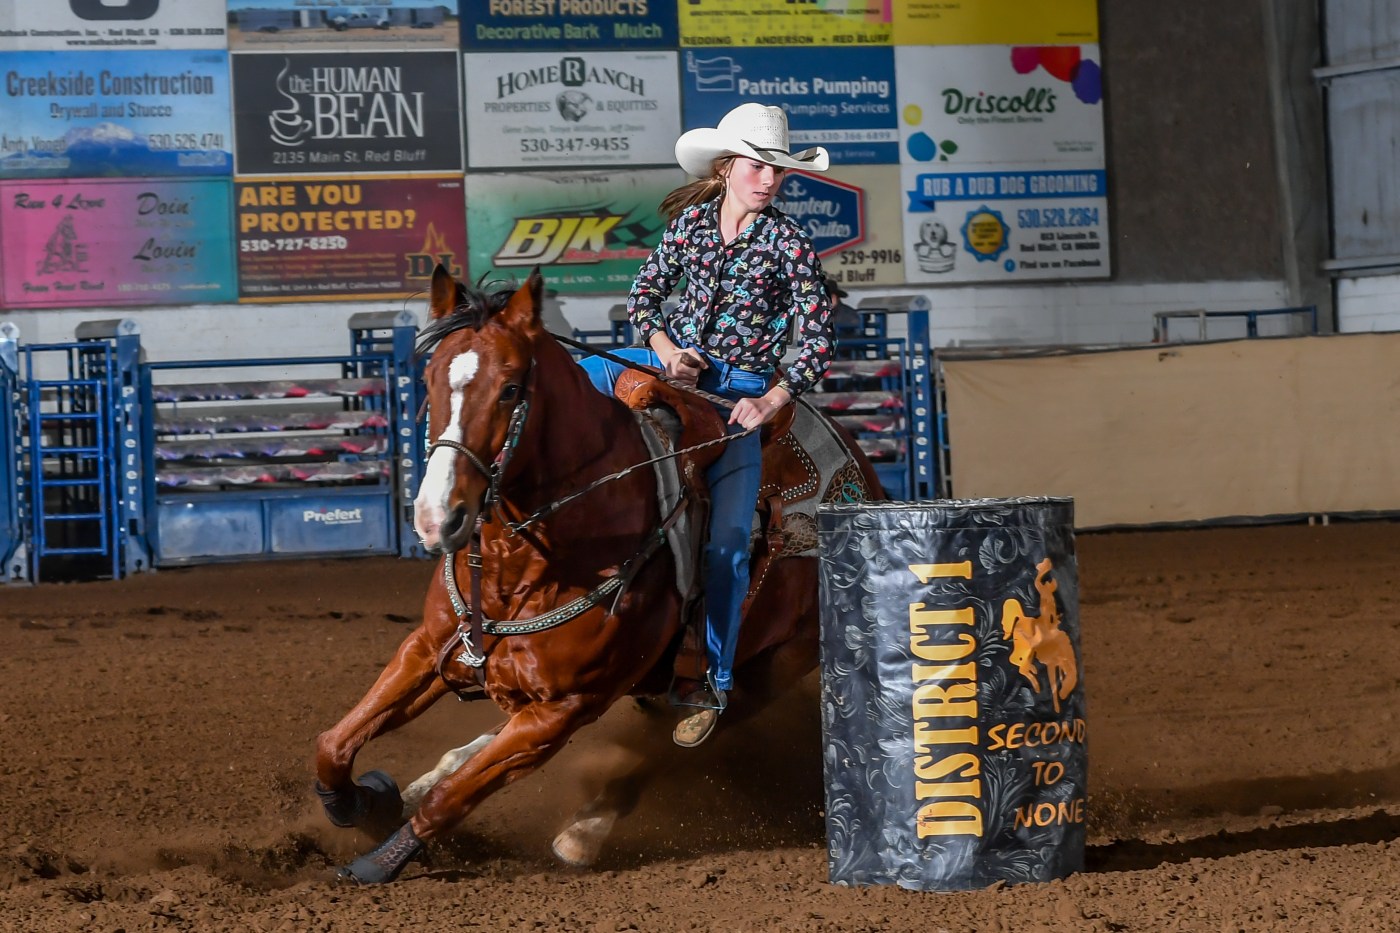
(413,795)
(762,679)
(581,840)
(407,687)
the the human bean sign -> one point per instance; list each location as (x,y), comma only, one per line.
(313,113)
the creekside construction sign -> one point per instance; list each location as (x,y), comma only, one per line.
(104,113)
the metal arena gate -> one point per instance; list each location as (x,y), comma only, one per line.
(118,465)
(115,465)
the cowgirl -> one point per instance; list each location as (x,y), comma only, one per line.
(752,277)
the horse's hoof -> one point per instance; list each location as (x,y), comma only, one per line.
(372,803)
(385,863)
(580,844)
(342,806)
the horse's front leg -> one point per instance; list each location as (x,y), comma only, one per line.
(529,738)
(406,687)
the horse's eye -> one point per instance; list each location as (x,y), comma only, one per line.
(510,393)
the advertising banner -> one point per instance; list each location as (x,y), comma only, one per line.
(310,239)
(342,24)
(1012,224)
(58,25)
(543,109)
(988,104)
(1003,22)
(103,113)
(320,112)
(853,215)
(555,25)
(782,22)
(971,213)
(143,241)
(589,231)
(843,99)
(952,693)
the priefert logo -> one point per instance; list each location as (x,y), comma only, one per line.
(333,516)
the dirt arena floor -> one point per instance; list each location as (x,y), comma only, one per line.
(156,737)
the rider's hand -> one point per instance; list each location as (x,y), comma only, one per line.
(751,412)
(683,366)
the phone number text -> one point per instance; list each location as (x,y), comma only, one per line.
(575,144)
(284,244)
(1046,218)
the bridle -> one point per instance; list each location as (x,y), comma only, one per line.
(514,430)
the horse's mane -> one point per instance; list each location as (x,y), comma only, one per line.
(475,306)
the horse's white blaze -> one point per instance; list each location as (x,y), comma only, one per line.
(413,795)
(430,505)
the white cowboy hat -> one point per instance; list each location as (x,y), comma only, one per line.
(750,130)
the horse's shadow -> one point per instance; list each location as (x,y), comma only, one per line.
(1338,791)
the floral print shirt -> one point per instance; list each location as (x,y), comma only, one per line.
(743,302)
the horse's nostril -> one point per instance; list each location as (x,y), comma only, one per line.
(451,524)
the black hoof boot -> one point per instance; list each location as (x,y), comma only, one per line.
(383,803)
(371,802)
(386,862)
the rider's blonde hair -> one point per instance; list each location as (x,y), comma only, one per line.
(697,192)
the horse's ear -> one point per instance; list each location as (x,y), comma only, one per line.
(523,309)
(446,292)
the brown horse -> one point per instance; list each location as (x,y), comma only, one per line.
(583,591)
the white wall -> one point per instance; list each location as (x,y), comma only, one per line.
(1089,313)
(1370,303)
(207,332)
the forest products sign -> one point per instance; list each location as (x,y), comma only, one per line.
(336,112)
(534,25)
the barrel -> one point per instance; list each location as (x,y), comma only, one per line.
(953,722)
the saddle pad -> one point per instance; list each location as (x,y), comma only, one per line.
(660,428)
(806,466)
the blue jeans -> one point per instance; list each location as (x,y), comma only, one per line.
(734,480)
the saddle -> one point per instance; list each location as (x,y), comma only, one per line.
(806,461)
(698,420)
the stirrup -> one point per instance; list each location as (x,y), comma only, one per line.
(706,703)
